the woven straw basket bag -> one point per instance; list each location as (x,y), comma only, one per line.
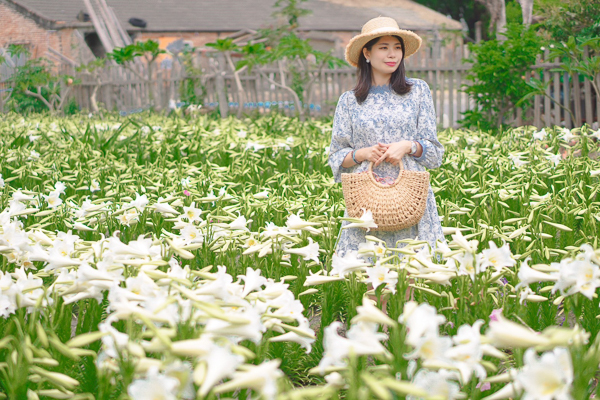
(394,207)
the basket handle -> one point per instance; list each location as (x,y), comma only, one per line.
(401,164)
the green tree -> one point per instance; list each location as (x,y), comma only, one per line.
(498,76)
(561,19)
(35,86)
(129,55)
(470,10)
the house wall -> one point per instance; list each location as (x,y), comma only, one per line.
(18,29)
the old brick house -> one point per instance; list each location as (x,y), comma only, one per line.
(60,28)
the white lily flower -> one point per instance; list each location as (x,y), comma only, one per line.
(191,234)
(567,135)
(303,340)
(540,135)
(504,333)
(248,327)
(193,347)
(318,279)
(155,386)
(81,227)
(252,281)
(516,159)
(528,275)
(239,223)
(164,208)
(554,158)
(114,341)
(140,202)
(420,320)
(547,377)
(95,186)
(365,339)
(497,258)
(431,347)
(379,275)
(510,391)
(261,195)
(335,379)
(580,275)
(344,265)
(297,223)
(261,378)
(60,187)
(468,245)
(308,252)
(192,213)
(221,363)
(366,221)
(19,196)
(368,312)
(53,199)
(467,352)
(437,384)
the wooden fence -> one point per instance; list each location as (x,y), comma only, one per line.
(441,67)
(573,92)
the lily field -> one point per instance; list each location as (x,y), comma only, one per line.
(158,257)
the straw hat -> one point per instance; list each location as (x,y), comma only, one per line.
(377,27)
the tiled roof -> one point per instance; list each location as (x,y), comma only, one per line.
(228,15)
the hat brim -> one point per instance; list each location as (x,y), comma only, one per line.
(412,43)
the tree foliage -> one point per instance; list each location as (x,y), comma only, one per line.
(498,75)
(35,86)
(564,18)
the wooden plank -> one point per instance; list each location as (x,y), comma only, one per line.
(459,97)
(547,102)
(537,103)
(452,118)
(63,57)
(598,104)
(122,32)
(108,23)
(567,100)
(577,99)
(556,96)
(99,27)
(587,91)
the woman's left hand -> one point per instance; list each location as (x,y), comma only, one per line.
(394,152)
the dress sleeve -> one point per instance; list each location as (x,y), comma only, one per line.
(433,150)
(342,140)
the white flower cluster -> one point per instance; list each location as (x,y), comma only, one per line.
(571,275)
(226,312)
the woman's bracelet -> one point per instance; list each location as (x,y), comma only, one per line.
(354,158)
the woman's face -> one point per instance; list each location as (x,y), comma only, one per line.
(385,55)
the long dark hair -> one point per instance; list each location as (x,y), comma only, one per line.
(398,81)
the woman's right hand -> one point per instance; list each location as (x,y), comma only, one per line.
(372,153)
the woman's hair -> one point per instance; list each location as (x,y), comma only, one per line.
(398,81)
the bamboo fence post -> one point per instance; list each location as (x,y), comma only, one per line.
(547,101)
(587,89)
(220,86)
(567,100)
(577,99)
(556,96)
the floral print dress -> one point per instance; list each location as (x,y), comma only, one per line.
(387,117)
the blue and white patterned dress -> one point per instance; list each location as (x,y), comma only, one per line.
(387,117)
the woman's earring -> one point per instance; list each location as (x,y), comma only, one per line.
(368,61)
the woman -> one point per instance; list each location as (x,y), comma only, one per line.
(385,119)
